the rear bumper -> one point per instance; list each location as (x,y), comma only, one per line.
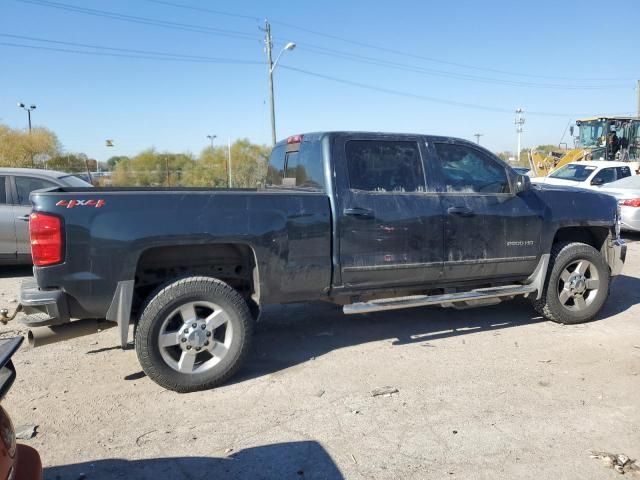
(615,253)
(54,307)
(43,307)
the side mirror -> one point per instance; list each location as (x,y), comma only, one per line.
(597,181)
(523,183)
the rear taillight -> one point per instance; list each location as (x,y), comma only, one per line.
(46,239)
(630,202)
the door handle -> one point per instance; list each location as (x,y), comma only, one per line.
(358,212)
(460,211)
(24,217)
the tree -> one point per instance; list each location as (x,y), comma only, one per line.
(113,161)
(547,149)
(249,163)
(248,166)
(19,148)
(512,158)
(209,170)
(71,162)
(152,169)
(505,156)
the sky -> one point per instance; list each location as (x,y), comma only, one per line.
(452,68)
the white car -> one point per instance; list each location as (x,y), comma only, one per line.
(591,175)
(627,192)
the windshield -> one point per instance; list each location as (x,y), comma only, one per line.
(574,171)
(592,134)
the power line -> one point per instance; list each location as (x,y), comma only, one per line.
(179,56)
(427,98)
(447,74)
(377,47)
(436,60)
(139,54)
(309,47)
(124,55)
(144,20)
(207,10)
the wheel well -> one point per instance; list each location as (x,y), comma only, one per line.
(594,236)
(234,264)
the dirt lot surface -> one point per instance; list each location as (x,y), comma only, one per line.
(495,392)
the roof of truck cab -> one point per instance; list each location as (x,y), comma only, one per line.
(314,136)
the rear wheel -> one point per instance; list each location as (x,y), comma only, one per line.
(193,334)
(576,286)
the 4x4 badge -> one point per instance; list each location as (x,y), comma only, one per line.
(80,203)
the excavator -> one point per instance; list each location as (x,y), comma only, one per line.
(599,138)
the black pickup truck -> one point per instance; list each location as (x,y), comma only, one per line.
(369,221)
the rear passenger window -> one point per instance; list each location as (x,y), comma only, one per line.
(384,166)
(26,185)
(3,190)
(297,168)
(623,172)
(467,170)
(607,175)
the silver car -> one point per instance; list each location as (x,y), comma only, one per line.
(627,192)
(16,184)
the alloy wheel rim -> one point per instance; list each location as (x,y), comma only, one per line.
(195,337)
(578,285)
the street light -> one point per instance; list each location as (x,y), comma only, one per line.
(289,46)
(272,65)
(28,109)
(212,138)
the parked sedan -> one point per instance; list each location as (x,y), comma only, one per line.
(627,192)
(16,184)
(593,174)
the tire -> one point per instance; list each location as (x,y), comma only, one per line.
(563,299)
(183,358)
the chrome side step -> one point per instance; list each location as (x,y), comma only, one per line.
(468,299)
(447,298)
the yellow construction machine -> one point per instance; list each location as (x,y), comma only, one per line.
(599,138)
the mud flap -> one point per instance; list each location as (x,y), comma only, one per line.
(120,310)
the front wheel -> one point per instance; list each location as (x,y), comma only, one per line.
(576,286)
(193,334)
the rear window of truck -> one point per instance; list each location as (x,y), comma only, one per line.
(298,165)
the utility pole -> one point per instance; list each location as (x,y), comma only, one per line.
(519,121)
(478,135)
(269,46)
(271,66)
